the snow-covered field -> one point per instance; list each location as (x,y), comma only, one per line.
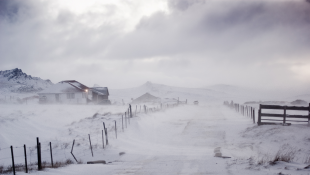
(178,140)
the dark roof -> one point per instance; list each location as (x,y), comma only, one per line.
(65,87)
(76,84)
(100,90)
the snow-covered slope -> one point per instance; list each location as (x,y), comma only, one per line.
(16,80)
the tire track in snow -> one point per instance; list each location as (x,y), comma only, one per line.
(187,149)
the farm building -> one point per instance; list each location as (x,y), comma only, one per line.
(100,95)
(73,92)
(147,98)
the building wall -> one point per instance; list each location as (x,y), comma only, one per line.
(96,97)
(79,98)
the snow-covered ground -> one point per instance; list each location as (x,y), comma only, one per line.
(178,140)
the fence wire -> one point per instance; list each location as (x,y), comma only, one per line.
(61,148)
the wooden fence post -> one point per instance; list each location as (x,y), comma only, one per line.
(25,153)
(309,114)
(259,115)
(284,116)
(253,116)
(125,120)
(91,148)
(13,164)
(130,111)
(102,139)
(39,154)
(72,150)
(128,114)
(51,151)
(106,136)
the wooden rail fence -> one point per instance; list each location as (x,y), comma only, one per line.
(284,118)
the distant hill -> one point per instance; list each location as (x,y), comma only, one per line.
(17,81)
(232,90)
(212,94)
(225,88)
(305,97)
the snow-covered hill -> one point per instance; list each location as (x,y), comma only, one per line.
(305,97)
(211,94)
(16,83)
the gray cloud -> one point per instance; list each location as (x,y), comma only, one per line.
(261,27)
(197,42)
(8,9)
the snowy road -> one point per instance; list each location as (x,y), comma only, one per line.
(176,145)
(177,141)
(182,141)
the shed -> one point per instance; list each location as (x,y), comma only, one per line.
(147,98)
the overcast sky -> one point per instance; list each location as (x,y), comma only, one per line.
(188,43)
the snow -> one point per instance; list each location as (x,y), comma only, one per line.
(178,140)
(61,87)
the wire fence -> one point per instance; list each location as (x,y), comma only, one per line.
(244,110)
(60,152)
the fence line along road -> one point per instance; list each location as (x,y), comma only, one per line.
(247,111)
